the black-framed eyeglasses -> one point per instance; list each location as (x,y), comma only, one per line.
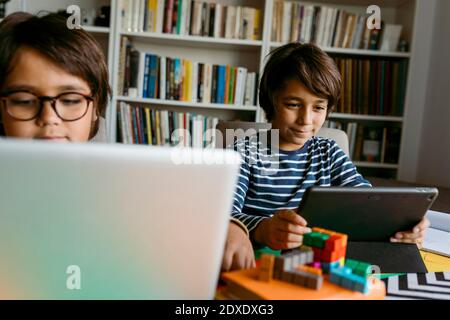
(26,106)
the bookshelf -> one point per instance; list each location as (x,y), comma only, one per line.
(103,35)
(413,15)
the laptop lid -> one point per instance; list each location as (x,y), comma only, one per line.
(94,221)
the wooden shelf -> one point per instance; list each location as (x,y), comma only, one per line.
(365,117)
(195,41)
(187,104)
(95,29)
(363,164)
(356,52)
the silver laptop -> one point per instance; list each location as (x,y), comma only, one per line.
(93,221)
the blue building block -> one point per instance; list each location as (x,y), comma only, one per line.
(327,267)
(338,274)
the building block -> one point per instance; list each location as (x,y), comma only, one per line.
(324,231)
(359,268)
(363,269)
(317,254)
(308,239)
(314,282)
(333,243)
(327,267)
(307,254)
(288,276)
(345,278)
(266,267)
(330,256)
(311,270)
(300,278)
(352,264)
(279,267)
(319,240)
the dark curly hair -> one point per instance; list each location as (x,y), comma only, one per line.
(74,51)
(306,63)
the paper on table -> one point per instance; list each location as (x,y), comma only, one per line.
(439,220)
(437,237)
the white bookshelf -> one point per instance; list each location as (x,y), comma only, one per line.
(358,117)
(195,41)
(414,15)
(159,102)
(194,47)
(96,30)
(356,52)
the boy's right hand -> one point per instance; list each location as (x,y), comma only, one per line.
(284,230)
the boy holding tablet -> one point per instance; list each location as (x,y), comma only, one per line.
(299,88)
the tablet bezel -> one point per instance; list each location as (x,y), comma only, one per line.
(366,214)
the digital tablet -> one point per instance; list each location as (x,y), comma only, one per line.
(366,214)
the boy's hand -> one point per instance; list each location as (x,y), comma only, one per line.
(238,250)
(415,236)
(284,230)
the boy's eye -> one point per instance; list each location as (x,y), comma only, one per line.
(320,108)
(22,102)
(293,105)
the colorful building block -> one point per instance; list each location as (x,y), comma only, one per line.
(319,240)
(314,282)
(359,268)
(345,278)
(363,269)
(317,254)
(311,270)
(266,267)
(323,252)
(327,267)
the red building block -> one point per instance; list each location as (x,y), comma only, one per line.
(317,254)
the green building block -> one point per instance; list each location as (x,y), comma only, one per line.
(363,269)
(308,239)
(352,264)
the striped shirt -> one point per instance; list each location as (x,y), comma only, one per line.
(271,182)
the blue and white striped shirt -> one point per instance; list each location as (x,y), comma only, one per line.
(268,183)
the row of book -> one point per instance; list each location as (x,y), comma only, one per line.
(186,17)
(370,143)
(330,27)
(140,125)
(147,75)
(2,9)
(375,87)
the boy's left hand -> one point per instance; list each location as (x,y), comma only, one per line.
(414,236)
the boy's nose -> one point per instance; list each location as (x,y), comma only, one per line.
(304,116)
(48,115)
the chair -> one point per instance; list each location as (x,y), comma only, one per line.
(252,128)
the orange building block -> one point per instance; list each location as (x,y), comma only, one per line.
(245,284)
(267,262)
(312,270)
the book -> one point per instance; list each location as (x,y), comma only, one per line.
(372,145)
(391,37)
(437,237)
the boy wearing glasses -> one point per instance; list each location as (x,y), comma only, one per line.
(53,81)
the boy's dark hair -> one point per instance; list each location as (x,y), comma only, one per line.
(74,51)
(303,62)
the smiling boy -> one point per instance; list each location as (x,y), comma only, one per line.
(299,88)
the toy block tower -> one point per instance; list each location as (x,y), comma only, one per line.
(329,248)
